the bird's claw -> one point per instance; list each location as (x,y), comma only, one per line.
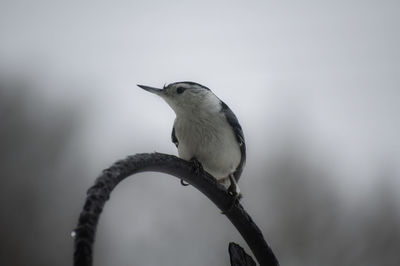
(233,188)
(196,166)
(234,192)
(234,202)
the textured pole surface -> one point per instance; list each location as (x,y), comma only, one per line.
(99,193)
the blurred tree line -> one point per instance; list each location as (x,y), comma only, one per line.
(39,193)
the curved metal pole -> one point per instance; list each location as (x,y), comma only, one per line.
(99,193)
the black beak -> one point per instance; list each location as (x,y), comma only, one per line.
(157,91)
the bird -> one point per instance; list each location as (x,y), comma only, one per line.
(205,131)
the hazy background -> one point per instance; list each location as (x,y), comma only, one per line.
(315,86)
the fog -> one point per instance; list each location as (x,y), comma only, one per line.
(314,85)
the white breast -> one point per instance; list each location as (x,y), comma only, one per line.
(208,136)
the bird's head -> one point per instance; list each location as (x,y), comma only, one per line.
(185,97)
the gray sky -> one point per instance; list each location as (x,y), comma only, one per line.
(327,73)
(333,65)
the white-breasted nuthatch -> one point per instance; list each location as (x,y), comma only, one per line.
(205,130)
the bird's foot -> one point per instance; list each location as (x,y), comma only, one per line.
(234,189)
(197,168)
(234,202)
(234,192)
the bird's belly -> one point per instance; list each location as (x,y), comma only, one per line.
(215,148)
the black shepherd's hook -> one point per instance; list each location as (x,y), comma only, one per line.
(99,193)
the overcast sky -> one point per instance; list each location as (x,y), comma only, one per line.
(331,67)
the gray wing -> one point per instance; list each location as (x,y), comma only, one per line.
(237,130)
(173,137)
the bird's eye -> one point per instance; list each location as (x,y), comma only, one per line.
(180,90)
